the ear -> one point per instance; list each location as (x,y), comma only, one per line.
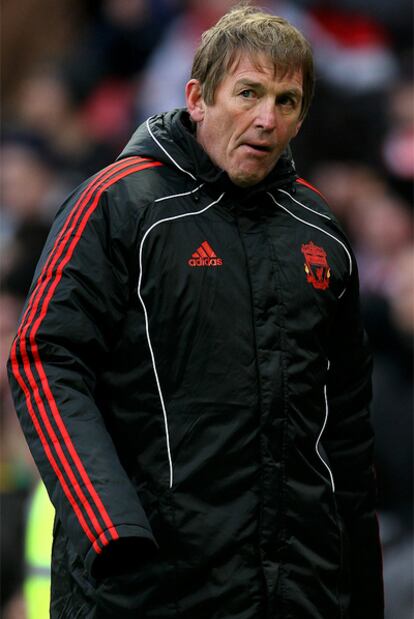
(195,101)
(298,126)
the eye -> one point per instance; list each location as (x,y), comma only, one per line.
(287,101)
(247,93)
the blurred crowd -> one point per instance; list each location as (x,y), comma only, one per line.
(77,77)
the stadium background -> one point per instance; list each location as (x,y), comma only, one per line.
(77,76)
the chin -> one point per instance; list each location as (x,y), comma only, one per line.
(245,180)
(248,176)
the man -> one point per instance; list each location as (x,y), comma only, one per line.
(191,371)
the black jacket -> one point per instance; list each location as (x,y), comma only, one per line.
(192,377)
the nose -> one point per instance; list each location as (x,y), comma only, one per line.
(266,117)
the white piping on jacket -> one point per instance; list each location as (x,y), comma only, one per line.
(304,205)
(321,432)
(164,410)
(317,228)
(166,152)
(179,195)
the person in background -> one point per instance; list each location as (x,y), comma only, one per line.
(38,550)
(191,371)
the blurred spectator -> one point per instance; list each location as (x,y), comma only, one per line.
(344,184)
(378,221)
(38,554)
(398,142)
(45,106)
(31,191)
(106,62)
(397,16)
(381,228)
(356,65)
(116,43)
(33,32)
(353,51)
(17,474)
(27,177)
(390,324)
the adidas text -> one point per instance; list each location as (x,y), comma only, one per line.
(205,262)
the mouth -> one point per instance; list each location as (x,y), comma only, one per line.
(259,148)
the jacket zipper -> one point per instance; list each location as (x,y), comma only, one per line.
(260,406)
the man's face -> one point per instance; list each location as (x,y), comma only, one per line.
(254,116)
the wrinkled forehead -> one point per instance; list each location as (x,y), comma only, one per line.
(262,61)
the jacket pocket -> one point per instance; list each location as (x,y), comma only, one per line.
(144,592)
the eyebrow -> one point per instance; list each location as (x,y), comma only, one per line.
(248,83)
(296,92)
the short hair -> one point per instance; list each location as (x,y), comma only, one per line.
(249,29)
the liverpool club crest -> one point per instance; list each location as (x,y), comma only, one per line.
(316,266)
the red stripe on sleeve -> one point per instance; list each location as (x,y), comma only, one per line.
(106,178)
(29,373)
(70,497)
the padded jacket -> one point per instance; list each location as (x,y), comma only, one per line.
(193,380)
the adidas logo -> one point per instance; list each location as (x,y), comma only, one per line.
(204,256)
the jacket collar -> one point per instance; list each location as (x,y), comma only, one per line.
(170,138)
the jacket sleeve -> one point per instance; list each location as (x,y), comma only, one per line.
(349,445)
(72,313)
